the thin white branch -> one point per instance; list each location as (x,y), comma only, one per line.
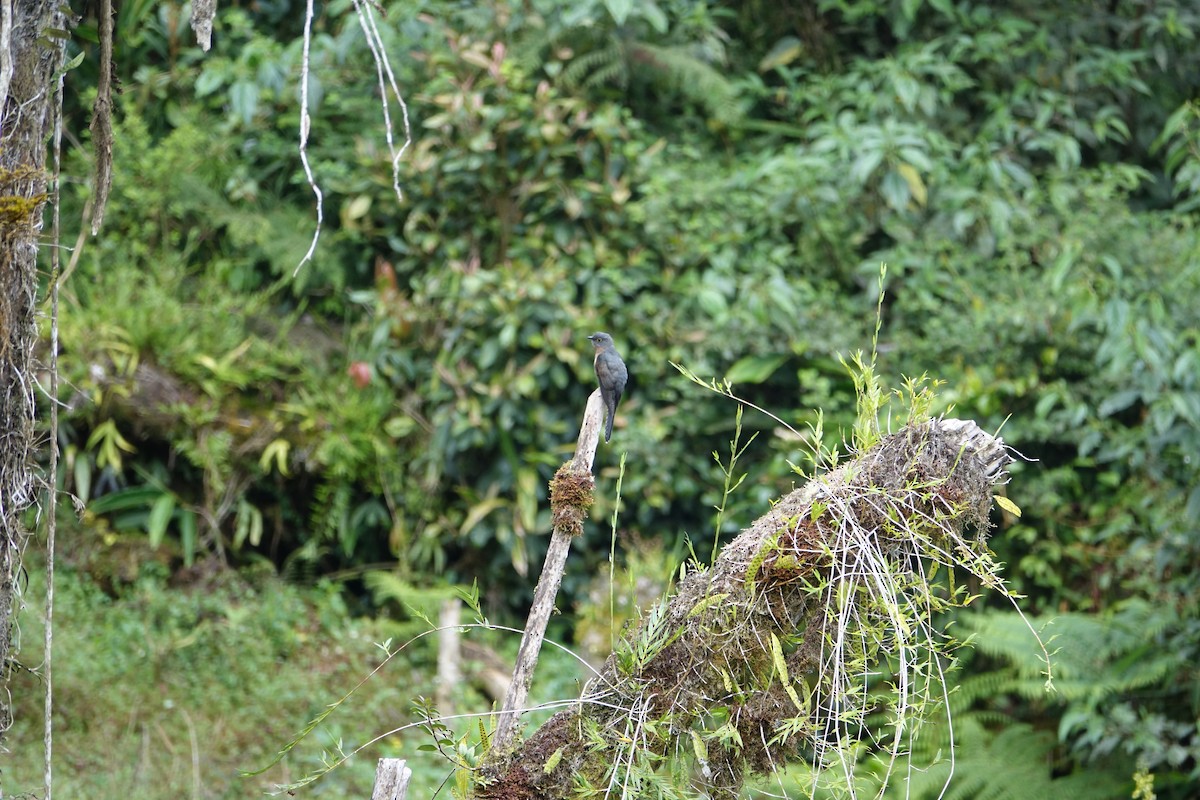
(52,478)
(305,125)
(6,59)
(366,19)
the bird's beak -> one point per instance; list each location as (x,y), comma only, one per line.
(591,338)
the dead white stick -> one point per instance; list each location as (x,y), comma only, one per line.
(449,660)
(391,779)
(548,583)
(305,126)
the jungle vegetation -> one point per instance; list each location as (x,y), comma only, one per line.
(716,184)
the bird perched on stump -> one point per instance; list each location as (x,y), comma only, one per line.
(611,372)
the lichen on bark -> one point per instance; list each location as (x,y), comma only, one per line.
(25,119)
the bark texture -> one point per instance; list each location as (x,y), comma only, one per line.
(795,575)
(25,124)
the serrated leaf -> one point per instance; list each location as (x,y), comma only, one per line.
(777,657)
(1008,505)
(782,670)
(707,602)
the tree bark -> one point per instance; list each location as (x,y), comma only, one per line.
(35,54)
(754,644)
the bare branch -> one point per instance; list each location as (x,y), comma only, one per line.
(305,125)
(102,131)
(6,59)
(570,496)
(366,19)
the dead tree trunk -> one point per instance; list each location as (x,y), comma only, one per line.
(30,55)
(753,662)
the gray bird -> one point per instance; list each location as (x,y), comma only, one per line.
(611,372)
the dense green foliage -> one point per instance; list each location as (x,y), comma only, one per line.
(171,692)
(717,185)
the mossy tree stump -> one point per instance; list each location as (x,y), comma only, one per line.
(753,662)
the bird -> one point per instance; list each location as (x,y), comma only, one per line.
(612,374)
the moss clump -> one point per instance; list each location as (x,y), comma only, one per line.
(571,495)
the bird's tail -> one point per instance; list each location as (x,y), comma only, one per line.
(608,428)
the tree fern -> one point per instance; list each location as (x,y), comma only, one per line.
(1015,764)
(678,68)
(606,65)
(601,54)
(1095,656)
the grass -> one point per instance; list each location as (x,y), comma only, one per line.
(170,692)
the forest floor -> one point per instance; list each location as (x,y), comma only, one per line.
(164,690)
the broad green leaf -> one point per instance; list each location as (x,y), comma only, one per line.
(83,478)
(249,525)
(1008,505)
(478,512)
(654,15)
(243,98)
(357,208)
(160,517)
(620,9)
(895,191)
(187,536)
(865,165)
(73,63)
(754,369)
(138,497)
(277,452)
(916,186)
(785,51)
(908,90)
(1118,402)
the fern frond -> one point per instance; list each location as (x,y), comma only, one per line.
(1015,764)
(1094,656)
(678,68)
(579,73)
(422,602)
